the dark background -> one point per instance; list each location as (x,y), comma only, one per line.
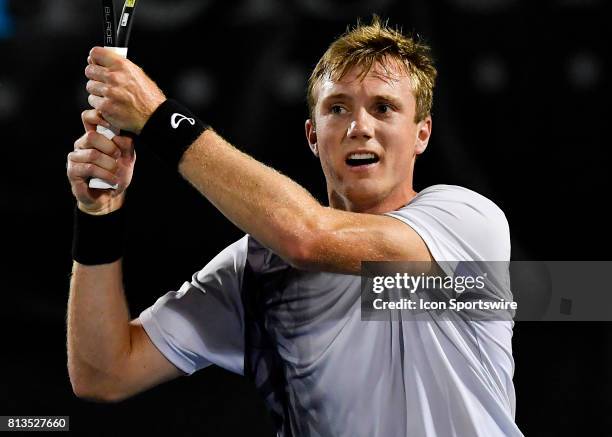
(518,116)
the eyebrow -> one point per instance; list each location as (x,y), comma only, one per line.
(338,96)
(391,99)
(385,97)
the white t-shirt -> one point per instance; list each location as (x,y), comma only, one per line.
(321,370)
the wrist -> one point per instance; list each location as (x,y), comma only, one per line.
(147,115)
(98,239)
(169,131)
(112,205)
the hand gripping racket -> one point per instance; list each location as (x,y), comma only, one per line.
(116,40)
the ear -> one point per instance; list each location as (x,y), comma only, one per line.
(311,136)
(423,134)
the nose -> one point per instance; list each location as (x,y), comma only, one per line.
(361,126)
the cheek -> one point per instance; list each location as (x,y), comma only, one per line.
(327,162)
(331,159)
(399,153)
(329,142)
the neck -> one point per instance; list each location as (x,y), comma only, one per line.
(391,202)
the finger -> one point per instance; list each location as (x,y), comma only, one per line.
(104,57)
(92,118)
(95,101)
(80,170)
(125,145)
(80,189)
(95,72)
(96,157)
(95,140)
(96,88)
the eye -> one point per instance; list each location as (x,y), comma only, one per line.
(383,108)
(336,109)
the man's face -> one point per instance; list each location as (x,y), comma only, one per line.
(366,138)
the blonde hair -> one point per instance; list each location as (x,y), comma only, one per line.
(363,46)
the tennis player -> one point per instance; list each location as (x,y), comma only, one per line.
(282,304)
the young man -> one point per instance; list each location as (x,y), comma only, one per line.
(282,304)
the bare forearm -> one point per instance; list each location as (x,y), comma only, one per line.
(256,198)
(284,217)
(98,327)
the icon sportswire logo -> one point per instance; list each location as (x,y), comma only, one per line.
(176,119)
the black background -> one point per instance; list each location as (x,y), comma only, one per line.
(518,116)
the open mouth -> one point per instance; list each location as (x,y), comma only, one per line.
(361,159)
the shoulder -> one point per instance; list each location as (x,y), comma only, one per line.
(461,201)
(460,219)
(456,194)
(229,262)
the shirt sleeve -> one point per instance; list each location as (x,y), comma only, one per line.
(458,224)
(202,323)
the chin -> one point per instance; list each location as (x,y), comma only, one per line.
(364,192)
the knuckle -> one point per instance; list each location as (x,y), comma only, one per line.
(80,143)
(90,70)
(112,77)
(78,171)
(91,86)
(93,154)
(104,107)
(73,172)
(111,93)
(90,137)
(124,143)
(91,116)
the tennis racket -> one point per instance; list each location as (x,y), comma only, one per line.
(116,40)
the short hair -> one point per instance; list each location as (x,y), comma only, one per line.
(363,46)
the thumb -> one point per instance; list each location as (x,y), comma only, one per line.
(103,56)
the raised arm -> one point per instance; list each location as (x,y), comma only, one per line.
(286,218)
(275,210)
(109,356)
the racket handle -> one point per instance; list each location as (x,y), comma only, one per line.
(108,133)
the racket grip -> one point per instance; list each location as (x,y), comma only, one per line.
(98,183)
(108,133)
